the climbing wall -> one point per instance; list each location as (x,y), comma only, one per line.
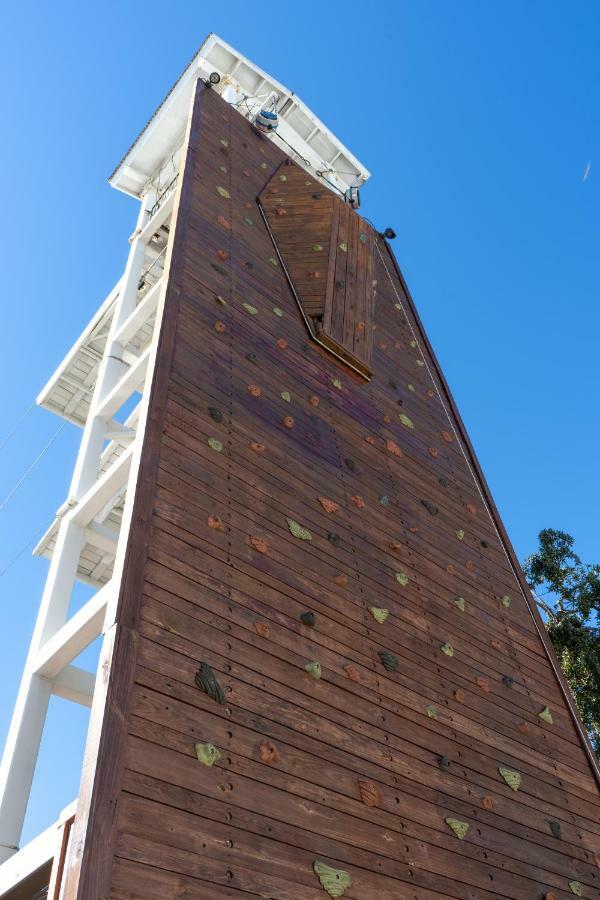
(327,676)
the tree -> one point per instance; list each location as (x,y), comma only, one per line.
(568,593)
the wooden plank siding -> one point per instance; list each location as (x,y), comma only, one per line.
(253,424)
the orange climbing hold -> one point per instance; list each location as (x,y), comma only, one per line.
(215,522)
(314,400)
(220,327)
(370,439)
(471,508)
(352,673)
(254,390)
(268,752)
(282,343)
(341,580)
(257,447)
(433,452)
(259,544)
(288,422)
(358,501)
(224,223)
(446,436)
(223,255)
(487,803)
(387,419)
(393,448)
(483,684)
(496,644)
(328,505)
(459,695)
(262,629)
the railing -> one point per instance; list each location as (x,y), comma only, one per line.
(151,275)
(164,195)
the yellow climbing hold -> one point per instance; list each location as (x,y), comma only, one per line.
(250,309)
(431,711)
(402,578)
(336,383)
(413,343)
(505,601)
(273,260)
(546,715)
(224,142)
(460,534)
(512,778)
(419,362)
(460,602)
(278,311)
(214,444)
(459,828)
(448,649)
(285,395)
(405,420)
(298,531)
(379,613)
(317,247)
(313,669)
(207,754)
(333,881)
(343,247)
(576,888)
(223,192)
(397,306)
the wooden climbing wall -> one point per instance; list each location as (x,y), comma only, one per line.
(275,483)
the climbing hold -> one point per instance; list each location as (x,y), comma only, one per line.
(433,452)
(272,260)
(224,223)
(218,269)
(512,778)
(334,538)
(448,649)
(369,439)
(298,531)
(550,895)
(446,436)
(495,643)
(443,481)
(259,544)
(278,311)
(308,618)
(314,401)
(471,508)
(257,447)
(333,881)
(388,660)
(393,448)
(431,509)
(431,711)
(508,681)
(215,522)
(487,802)
(413,344)
(282,343)
(460,534)
(220,327)
(336,383)
(206,680)
(328,505)
(405,420)
(220,300)
(459,828)
(444,763)
(505,601)
(419,362)
(460,603)
(215,414)
(343,246)
(350,463)
(411,387)
(485,544)
(317,247)
(352,673)
(224,142)
(287,422)
(576,888)
(250,309)
(384,501)
(285,395)
(313,669)
(341,580)
(369,792)
(207,754)
(268,752)
(314,274)
(379,613)
(223,192)
(214,444)
(483,684)
(402,578)
(459,695)
(263,629)
(358,501)
(254,390)
(222,255)
(362,238)
(393,384)
(555,828)
(248,220)
(252,357)
(545,715)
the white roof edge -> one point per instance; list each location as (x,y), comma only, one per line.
(55,377)
(126,172)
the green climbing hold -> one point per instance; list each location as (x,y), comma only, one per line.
(576,888)
(546,715)
(431,711)
(343,247)
(384,501)
(405,420)
(460,602)
(512,778)
(448,649)
(459,828)
(248,220)
(388,660)
(317,247)
(298,531)
(223,192)
(207,754)
(313,669)
(308,618)
(215,444)
(362,238)
(429,506)
(379,613)
(278,311)
(443,763)
(402,578)
(334,538)
(215,414)
(285,395)
(555,829)
(508,681)
(333,881)
(250,309)
(505,601)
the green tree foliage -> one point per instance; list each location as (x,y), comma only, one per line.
(568,593)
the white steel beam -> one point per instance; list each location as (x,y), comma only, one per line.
(74,636)
(125,387)
(75,684)
(140,315)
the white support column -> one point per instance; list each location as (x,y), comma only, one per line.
(25,733)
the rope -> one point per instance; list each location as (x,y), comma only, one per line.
(17,426)
(18,555)
(30,469)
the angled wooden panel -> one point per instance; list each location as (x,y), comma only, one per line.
(327,250)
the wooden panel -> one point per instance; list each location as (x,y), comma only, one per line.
(253,426)
(327,251)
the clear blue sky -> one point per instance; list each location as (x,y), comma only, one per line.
(477,121)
